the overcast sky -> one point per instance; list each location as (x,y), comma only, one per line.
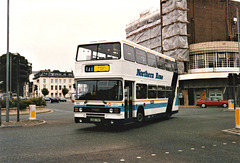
(47,32)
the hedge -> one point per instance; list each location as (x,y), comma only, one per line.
(23,104)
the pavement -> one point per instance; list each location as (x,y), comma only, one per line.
(23,123)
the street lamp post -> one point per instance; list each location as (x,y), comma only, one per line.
(237,1)
(238,39)
(237,110)
(7,68)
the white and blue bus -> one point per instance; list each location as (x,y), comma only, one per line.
(120,81)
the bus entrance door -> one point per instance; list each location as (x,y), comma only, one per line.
(128,99)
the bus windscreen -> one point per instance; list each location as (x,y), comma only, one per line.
(100,90)
(103,51)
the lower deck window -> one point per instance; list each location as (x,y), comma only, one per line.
(152,91)
(141,91)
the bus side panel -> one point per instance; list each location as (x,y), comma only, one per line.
(172,101)
(151,107)
(176,100)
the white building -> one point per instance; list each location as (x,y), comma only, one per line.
(54,81)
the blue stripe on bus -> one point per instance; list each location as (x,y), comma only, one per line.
(151,106)
(135,107)
(176,102)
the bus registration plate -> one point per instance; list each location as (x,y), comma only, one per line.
(95,119)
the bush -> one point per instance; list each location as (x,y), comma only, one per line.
(38,101)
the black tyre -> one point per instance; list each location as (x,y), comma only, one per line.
(168,115)
(225,105)
(203,105)
(140,116)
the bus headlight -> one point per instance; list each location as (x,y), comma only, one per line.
(114,110)
(80,109)
(111,110)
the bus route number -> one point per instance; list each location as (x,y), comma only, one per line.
(97,68)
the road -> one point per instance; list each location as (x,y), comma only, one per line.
(192,135)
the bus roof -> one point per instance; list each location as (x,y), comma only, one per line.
(148,50)
(133,44)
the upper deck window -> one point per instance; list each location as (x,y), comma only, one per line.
(161,63)
(169,65)
(141,56)
(103,51)
(129,52)
(151,60)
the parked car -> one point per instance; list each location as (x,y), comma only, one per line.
(62,99)
(47,99)
(23,98)
(54,99)
(212,101)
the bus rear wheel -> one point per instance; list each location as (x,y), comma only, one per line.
(140,116)
(168,115)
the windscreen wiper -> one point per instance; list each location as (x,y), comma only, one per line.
(104,102)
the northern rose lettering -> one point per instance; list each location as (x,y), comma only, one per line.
(148,75)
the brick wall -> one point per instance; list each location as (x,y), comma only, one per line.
(211,20)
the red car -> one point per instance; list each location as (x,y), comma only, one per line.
(212,101)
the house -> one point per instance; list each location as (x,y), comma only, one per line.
(54,81)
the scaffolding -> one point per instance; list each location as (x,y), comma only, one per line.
(163,30)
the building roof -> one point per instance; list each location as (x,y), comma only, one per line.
(54,73)
(215,46)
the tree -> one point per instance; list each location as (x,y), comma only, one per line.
(45,91)
(19,65)
(64,91)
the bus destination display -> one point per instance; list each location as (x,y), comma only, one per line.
(97,68)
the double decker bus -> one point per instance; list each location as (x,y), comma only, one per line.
(120,81)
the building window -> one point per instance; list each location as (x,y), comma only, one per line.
(56,80)
(44,80)
(56,87)
(51,87)
(221,62)
(51,80)
(64,80)
(70,80)
(60,80)
(201,61)
(70,87)
(60,87)
(211,60)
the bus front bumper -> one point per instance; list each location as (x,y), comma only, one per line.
(99,120)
